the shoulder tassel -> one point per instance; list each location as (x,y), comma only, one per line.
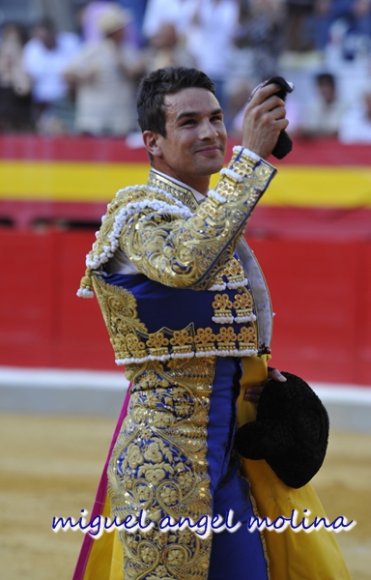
(86,286)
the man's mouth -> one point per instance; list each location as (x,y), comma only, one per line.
(210,149)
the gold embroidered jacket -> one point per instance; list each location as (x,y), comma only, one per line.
(163,242)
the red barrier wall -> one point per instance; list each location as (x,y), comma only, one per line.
(317,260)
(322,301)
(322,151)
(44,324)
(321,292)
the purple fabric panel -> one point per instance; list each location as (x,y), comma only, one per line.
(100,496)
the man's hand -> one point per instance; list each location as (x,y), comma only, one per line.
(254,391)
(264,119)
(276,375)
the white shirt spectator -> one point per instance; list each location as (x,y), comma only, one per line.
(105,95)
(104,75)
(356,124)
(324,119)
(210,36)
(45,66)
(159,12)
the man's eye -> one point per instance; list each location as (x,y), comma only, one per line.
(217,118)
(188,122)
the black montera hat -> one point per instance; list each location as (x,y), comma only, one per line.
(290,431)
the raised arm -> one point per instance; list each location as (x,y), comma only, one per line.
(187,251)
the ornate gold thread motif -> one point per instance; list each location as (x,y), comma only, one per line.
(243,305)
(159,460)
(159,465)
(247,336)
(172,239)
(243,301)
(132,342)
(222,307)
(233,274)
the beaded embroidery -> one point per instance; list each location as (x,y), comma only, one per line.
(132,343)
(159,465)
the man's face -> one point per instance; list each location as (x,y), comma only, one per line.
(327,91)
(195,142)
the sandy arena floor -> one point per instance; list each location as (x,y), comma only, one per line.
(50,466)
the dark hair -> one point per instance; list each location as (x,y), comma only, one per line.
(325,77)
(165,81)
(47,23)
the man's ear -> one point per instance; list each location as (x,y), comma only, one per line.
(152,142)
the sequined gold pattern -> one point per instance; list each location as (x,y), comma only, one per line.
(171,239)
(222,308)
(190,252)
(159,465)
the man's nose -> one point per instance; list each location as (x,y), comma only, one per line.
(207,130)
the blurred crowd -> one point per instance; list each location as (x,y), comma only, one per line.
(84,81)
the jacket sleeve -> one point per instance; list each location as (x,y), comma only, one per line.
(188,250)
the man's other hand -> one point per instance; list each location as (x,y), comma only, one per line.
(253,392)
(264,119)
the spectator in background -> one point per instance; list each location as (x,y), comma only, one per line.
(206,27)
(44,57)
(257,45)
(299,27)
(355,127)
(259,37)
(323,18)
(325,14)
(90,12)
(344,26)
(359,16)
(104,78)
(15,85)
(322,115)
(210,36)
(166,48)
(159,12)
(137,8)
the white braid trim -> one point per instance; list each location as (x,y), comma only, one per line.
(198,354)
(249,318)
(239,284)
(130,188)
(84,293)
(151,357)
(217,196)
(231,319)
(232,174)
(246,152)
(217,287)
(122,216)
(223,319)
(235,352)
(152,188)
(146,187)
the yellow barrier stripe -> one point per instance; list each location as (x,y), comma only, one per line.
(296,185)
(67,181)
(321,186)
